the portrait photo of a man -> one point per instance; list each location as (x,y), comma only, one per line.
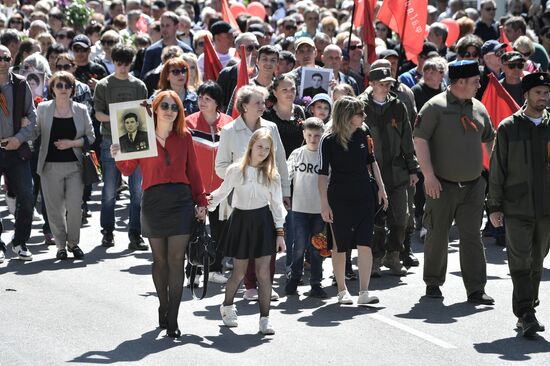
(132,139)
(315,80)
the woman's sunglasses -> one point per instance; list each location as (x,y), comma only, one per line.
(166,106)
(65,67)
(353,47)
(177,72)
(5,58)
(63,86)
(109,43)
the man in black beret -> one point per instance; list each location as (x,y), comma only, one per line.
(519,193)
(450,132)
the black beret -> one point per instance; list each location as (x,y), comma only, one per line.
(535,79)
(463,69)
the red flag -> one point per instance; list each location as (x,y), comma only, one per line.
(242,80)
(504,39)
(212,64)
(228,15)
(364,16)
(499,104)
(408,19)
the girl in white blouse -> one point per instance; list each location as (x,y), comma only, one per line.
(255,227)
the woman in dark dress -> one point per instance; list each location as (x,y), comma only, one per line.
(349,196)
(172,186)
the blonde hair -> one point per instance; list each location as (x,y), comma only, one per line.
(344,110)
(195,79)
(246,92)
(267,168)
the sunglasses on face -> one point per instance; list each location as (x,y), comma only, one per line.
(109,43)
(252,47)
(16,21)
(78,49)
(65,67)
(177,72)
(166,106)
(290,27)
(516,66)
(63,86)
(468,54)
(5,58)
(354,47)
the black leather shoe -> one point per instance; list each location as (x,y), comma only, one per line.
(480,298)
(108,239)
(61,254)
(407,256)
(137,243)
(173,333)
(529,325)
(434,292)
(77,252)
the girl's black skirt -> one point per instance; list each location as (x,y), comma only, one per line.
(250,234)
(166,210)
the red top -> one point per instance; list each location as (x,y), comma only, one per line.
(206,139)
(175,163)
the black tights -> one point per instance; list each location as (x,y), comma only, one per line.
(263,276)
(168,259)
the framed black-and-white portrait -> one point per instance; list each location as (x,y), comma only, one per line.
(36,83)
(133,129)
(314,81)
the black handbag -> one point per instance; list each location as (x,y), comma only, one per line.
(90,165)
(201,253)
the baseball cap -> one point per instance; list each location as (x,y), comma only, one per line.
(221,27)
(303,40)
(510,57)
(388,53)
(321,96)
(81,40)
(257,29)
(491,46)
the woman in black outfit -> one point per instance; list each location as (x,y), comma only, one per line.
(289,118)
(348,197)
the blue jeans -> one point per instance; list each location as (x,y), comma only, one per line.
(305,226)
(289,240)
(19,178)
(111,176)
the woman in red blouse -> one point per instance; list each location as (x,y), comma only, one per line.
(172,186)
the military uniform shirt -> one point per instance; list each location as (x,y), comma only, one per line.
(455,131)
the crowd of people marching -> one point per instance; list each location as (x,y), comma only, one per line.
(320,120)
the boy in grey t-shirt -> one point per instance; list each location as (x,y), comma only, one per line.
(118,87)
(303,166)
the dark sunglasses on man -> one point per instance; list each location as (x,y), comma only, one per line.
(518,65)
(65,67)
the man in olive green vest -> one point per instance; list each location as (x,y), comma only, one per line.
(519,193)
(450,131)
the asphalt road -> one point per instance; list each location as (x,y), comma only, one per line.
(102,310)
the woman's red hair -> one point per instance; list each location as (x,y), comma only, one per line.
(179,124)
(173,63)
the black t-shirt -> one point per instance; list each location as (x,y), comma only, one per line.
(62,129)
(290,131)
(423,93)
(91,70)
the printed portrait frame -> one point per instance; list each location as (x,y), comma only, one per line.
(306,79)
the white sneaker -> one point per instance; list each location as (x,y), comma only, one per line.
(423,233)
(251,294)
(365,299)
(22,251)
(265,326)
(274,295)
(229,315)
(217,277)
(344,298)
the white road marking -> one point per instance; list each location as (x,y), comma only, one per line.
(417,333)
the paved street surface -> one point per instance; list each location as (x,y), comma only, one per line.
(103,310)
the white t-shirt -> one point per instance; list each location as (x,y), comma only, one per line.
(303,166)
(224,59)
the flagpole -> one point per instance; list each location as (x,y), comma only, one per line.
(402,54)
(351,27)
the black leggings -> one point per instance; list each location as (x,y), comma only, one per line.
(168,274)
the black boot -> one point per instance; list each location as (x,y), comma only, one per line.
(406,255)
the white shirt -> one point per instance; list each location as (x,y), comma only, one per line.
(303,166)
(251,193)
(223,57)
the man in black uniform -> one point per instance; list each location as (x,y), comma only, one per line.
(519,192)
(135,139)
